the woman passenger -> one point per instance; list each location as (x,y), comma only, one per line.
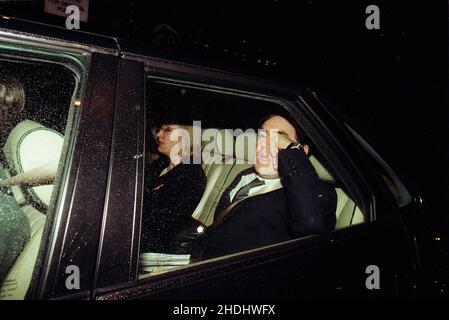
(173,188)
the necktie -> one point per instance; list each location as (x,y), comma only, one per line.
(243,192)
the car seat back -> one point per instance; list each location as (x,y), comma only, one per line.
(216,166)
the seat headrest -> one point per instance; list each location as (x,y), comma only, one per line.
(245,147)
(31,145)
(217,141)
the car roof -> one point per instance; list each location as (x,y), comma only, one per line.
(45,32)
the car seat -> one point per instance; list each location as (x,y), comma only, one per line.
(28,146)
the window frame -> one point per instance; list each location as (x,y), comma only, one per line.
(288,101)
(121,218)
(76,235)
(406,197)
(93,122)
(77,61)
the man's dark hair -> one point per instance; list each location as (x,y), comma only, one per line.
(300,135)
(12,106)
(12,96)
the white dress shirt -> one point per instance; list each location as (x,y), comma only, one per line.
(247,179)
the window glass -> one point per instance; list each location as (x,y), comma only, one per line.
(38,105)
(228,173)
(392,181)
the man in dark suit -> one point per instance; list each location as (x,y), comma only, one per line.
(279,199)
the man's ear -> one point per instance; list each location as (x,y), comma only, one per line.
(306,149)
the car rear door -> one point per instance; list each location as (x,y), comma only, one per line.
(338,264)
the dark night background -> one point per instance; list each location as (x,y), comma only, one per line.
(391,83)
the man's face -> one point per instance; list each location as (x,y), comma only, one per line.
(267,145)
(163,134)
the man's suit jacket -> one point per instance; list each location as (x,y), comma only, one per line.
(305,205)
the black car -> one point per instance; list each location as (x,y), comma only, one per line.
(91,105)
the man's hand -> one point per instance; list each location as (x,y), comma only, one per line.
(283,141)
(278,142)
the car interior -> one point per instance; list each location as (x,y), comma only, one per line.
(30,146)
(224,113)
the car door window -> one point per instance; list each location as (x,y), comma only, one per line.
(201,152)
(40,98)
(391,180)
